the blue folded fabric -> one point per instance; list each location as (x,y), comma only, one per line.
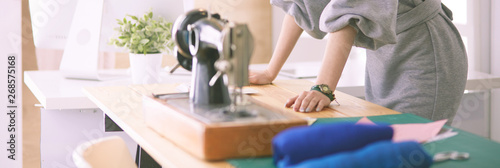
(298,144)
(383,154)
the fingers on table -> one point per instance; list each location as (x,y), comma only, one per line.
(291,101)
(308,101)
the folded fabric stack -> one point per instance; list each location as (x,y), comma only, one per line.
(346,145)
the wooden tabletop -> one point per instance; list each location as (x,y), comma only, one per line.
(123,104)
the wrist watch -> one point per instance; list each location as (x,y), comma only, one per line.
(323,88)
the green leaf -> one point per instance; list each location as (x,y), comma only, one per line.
(144,41)
(150,14)
(158,29)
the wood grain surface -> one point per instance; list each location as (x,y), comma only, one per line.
(124,105)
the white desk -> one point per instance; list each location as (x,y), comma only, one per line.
(54,92)
(69,118)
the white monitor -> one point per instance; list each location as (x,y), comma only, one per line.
(82,28)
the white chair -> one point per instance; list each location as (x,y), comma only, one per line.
(108,152)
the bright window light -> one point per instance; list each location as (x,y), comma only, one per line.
(466,42)
(459,9)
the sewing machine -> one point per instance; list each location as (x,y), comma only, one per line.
(214,123)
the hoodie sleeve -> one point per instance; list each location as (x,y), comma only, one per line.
(375,21)
(306,14)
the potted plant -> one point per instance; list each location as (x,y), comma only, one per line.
(145,38)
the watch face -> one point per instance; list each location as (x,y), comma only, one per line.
(325,89)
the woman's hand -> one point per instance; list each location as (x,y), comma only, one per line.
(339,46)
(309,101)
(260,77)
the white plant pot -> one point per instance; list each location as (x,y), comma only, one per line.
(145,68)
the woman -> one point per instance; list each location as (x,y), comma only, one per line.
(416,61)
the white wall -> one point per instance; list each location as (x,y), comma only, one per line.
(495,69)
(307,48)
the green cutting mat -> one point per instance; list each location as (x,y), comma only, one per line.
(483,152)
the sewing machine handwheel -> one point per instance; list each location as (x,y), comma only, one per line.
(179,29)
